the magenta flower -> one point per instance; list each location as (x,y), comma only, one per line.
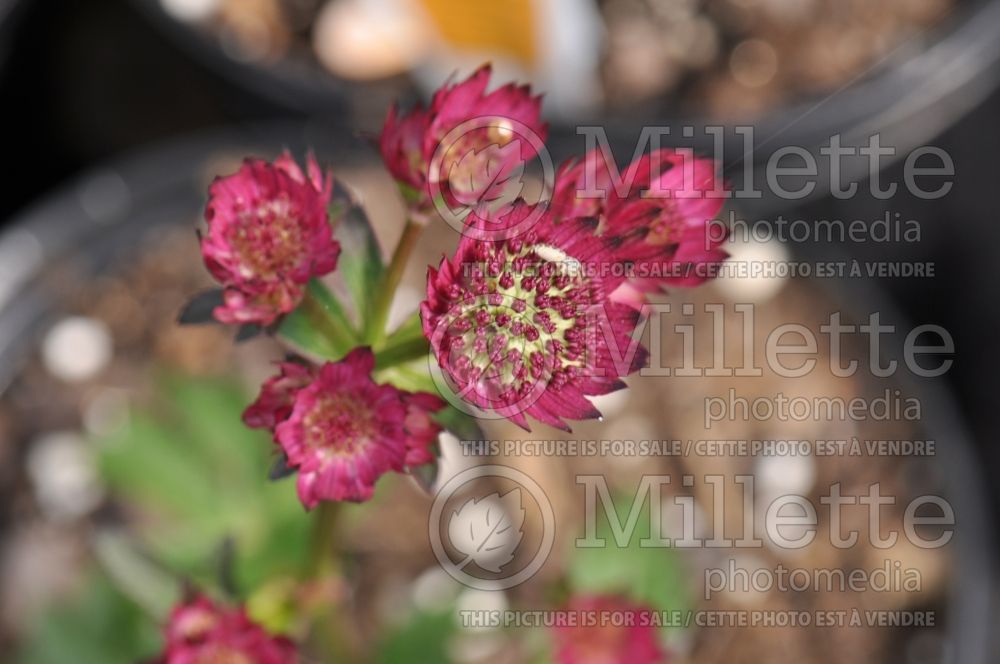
(199,632)
(421,430)
(526,326)
(268,235)
(277,396)
(616,631)
(467,145)
(341,430)
(671,194)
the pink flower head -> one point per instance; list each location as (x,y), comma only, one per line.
(525,325)
(277,396)
(582,187)
(268,235)
(200,632)
(421,430)
(341,430)
(670,193)
(467,145)
(618,632)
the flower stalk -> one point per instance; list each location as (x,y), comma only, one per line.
(375,332)
(322,555)
(328,321)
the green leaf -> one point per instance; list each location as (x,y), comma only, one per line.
(97,625)
(194,475)
(133,573)
(319,326)
(360,265)
(652,575)
(401,352)
(422,640)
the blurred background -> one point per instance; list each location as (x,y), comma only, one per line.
(115,114)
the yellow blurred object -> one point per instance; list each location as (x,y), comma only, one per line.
(505,28)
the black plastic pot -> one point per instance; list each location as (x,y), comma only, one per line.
(923,86)
(10,11)
(106,212)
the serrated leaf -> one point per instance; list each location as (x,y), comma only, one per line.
(137,576)
(199,308)
(247,332)
(197,475)
(280,470)
(488,530)
(360,264)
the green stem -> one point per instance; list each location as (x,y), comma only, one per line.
(327,629)
(375,331)
(402,351)
(322,558)
(335,328)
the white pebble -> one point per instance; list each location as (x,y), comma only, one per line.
(756,269)
(369,40)
(434,589)
(190,10)
(781,475)
(62,471)
(485,601)
(77,348)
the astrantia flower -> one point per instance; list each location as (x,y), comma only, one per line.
(268,234)
(525,325)
(466,144)
(421,430)
(624,633)
(341,430)
(277,395)
(672,194)
(201,632)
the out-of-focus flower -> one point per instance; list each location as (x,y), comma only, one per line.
(671,193)
(624,633)
(341,430)
(199,631)
(583,187)
(268,235)
(421,430)
(402,146)
(466,145)
(277,396)
(526,325)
